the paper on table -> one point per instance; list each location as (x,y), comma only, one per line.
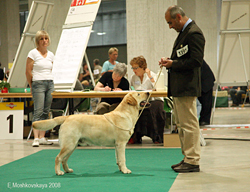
(133,91)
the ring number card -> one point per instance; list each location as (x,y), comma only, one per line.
(11,118)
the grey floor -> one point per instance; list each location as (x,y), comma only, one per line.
(225,160)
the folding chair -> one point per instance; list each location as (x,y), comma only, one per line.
(83,105)
(168,107)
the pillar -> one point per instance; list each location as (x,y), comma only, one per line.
(9,31)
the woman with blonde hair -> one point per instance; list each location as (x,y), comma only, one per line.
(109,65)
(39,76)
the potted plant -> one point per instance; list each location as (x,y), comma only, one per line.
(5,86)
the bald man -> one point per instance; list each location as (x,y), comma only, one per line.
(184,84)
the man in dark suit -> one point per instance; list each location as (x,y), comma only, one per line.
(184,84)
(1,73)
(206,98)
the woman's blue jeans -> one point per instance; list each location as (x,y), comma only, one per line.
(41,93)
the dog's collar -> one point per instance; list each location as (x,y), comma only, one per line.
(129,130)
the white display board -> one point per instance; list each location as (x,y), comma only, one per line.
(73,42)
(82,11)
(39,15)
(234,49)
(69,54)
(11,118)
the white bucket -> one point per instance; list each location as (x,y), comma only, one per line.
(160,86)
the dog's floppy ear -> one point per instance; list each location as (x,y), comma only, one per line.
(131,100)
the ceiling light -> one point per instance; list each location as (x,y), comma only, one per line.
(103,33)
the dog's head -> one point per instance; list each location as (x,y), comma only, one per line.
(137,98)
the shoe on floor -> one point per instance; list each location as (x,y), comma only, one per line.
(203,123)
(35,143)
(176,165)
(234,105)
(44,141)
(186,168)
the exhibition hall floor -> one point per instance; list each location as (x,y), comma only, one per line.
(225,160)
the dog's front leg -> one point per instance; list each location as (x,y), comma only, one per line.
(116,156)
(120,157)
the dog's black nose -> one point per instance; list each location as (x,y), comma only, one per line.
(148,93)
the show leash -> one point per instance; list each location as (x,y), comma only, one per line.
(150,94)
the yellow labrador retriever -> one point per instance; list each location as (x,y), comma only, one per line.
(110,129)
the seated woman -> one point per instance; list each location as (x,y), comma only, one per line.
(152,120)
(84,77)
(112,81)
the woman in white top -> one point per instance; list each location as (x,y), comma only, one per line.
(39,76)
(152,120)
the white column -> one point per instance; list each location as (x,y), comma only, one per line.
(148,33)
(9,30)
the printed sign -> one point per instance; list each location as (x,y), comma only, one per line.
(11,118)
(82,2)
(96,72)
(182,51)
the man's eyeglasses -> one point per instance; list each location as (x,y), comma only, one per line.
(134,68)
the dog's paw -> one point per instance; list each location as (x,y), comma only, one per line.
(60,172)
(126,171)
(70,171)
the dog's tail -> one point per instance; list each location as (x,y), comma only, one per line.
(48,124)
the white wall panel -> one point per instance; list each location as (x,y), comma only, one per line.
(148,33)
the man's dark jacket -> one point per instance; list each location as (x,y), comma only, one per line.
(184,78)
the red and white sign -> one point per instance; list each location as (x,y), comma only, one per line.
(82,2)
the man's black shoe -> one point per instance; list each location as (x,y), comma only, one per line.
(203,123)
(186,168)
(176,165)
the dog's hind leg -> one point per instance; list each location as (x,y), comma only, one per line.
(65,164)
(120,155)
(63,157)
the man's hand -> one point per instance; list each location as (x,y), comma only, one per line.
(166,62)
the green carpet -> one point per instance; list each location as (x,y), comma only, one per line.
(94,170)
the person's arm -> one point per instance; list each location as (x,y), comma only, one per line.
(29,68)
(100,87)
(166,62)
(80,77)
(103,72)
(86,74)
(104,68)
(149,75)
